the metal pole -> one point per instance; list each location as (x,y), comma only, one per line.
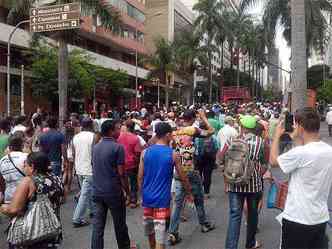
(22,90)
(8,63)
(136,80)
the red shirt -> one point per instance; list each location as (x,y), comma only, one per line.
(132,149)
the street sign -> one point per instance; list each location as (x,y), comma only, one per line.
(55,17)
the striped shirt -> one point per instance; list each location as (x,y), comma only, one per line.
(256,154)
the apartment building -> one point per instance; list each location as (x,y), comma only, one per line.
(168,18)
(114,51)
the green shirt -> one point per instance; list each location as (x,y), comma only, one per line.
(3,144)
(215,124)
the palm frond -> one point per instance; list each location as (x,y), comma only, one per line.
(19,11)
(247,4)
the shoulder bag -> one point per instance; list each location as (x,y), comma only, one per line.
(39,223)
(11,160)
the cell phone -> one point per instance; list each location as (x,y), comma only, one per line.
(289,122)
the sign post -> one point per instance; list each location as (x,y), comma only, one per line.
(58,18)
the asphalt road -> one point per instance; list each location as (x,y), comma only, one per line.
(217,210)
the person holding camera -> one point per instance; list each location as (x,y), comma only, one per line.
(309,166)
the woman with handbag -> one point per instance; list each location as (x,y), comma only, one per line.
(35,207)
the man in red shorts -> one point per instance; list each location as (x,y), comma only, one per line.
(155,180)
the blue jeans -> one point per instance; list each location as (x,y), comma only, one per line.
(180,194)
(236,201)
(117,206)
(56,168)
(85,201)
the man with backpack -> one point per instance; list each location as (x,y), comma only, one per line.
(243,166)
(205,159)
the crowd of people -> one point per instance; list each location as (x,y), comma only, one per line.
(163,160)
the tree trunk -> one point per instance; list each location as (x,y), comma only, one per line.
(62,80)
(232,57)
(166,90)
(256,81)
(259,81)
(221,73)
(249,65)
(299,60)
(210,71)
(210,81)
(238,68)
(253,73)
(222,56)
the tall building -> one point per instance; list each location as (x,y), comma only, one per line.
(173,18)
(109,50)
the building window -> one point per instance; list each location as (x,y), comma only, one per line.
(128,9)
(135,13)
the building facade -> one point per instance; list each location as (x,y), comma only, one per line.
(109,50)
(173,17)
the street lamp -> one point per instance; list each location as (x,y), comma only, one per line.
(8,62)
(136,57)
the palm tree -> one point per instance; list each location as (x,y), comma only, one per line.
(187,51)
(109,19)
(208,13)
(162,63)
(313,26)
(189,54)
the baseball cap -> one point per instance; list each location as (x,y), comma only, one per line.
(248,121)
(229,119)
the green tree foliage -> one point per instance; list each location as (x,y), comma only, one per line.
(324,93)
(82,74)
(315,75)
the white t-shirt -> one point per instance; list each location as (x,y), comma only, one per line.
(11,175)
(226,135)
(83,143)
(310,169)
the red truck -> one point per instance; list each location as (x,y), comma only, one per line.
(234,93)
